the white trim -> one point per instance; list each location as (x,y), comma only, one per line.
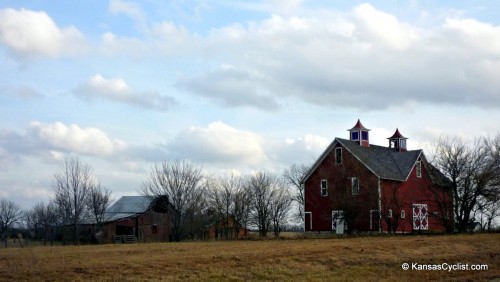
(310,221)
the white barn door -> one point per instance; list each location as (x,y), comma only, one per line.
(338,222)
(420,217)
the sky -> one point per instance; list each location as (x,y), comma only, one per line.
(232,86)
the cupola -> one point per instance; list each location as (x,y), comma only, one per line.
(359,134)
(397,141)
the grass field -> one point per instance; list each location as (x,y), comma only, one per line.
(363,258)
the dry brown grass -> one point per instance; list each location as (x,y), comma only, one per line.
(364,258)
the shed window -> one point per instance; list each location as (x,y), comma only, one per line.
(403,215)
(389,213)
(154,229)
(355,185)
(324,188)
(338,155)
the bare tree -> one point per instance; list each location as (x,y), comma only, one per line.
(488,209)
(269,203)
(221,193)
(293,176)
(72,185)
(97,203)
(472,172)
(180,181)
(280,207)
(41,219)
(242,205)
(10,214)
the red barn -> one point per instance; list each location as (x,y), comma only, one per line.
(355,186)
(145,218)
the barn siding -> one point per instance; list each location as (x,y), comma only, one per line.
(338,176)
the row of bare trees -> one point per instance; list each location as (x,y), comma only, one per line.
(262,200)
(78,196)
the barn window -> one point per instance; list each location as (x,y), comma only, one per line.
(355,185)
(324,188)
(403,214)
(389,213)
(418,166)
(338,155)
(154,229)
(364,135)
(354,135)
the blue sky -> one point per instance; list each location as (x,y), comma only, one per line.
(234,86)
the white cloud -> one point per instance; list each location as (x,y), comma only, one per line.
(218,143)
(385,27)
(117,90)
(130,9)
(73,138)
(302,150)
(34,34)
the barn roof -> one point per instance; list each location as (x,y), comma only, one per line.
(125,207)
(131,204)
(384,162)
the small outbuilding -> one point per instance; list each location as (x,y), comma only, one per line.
(141,218)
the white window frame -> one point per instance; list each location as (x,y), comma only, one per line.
(323,191)
(403,214)
(371,218)
(355,180)
(418,169)
(338,154)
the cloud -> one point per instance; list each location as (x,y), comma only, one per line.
(231,87)
(21,91)
(226,147)
(384,27)
(117,90)
(73,138)
(131,10)
(218,143)
(302,150)
(366,59)
(29,34)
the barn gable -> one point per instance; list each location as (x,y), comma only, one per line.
(393,180)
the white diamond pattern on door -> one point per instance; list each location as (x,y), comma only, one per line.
(420,217)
